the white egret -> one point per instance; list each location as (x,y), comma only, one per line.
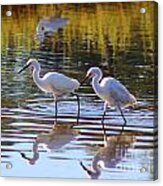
(48,25)
(53,82)
(111,91)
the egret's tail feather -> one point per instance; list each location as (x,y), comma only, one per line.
(133,101)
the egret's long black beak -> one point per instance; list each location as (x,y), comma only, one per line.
(26,66)
(89,171)
(82,82)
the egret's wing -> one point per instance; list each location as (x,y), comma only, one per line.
(51,24)
(58,23)
(122,95)
(119,92)
(62,83)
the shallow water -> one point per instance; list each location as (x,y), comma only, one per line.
(122,49)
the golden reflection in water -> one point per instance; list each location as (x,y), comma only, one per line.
(92,23)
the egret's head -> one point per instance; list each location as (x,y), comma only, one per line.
(41,29)
(31,63)
(33,160)
(101,164)
(94,171)
(93,72)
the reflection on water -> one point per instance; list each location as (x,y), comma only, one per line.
(48,26)
(55,139)
(110,155)
(115,37)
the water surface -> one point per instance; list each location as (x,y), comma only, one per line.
(115,37)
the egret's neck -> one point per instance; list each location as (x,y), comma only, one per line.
(96,83)
(95,166)
(36,76)
(94,172)
(35,157)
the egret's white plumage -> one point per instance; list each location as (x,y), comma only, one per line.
(110,90)
(53,82)
(59,84)
(56,83)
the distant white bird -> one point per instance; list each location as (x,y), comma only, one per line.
(48,25)
(53,82)
(111,91)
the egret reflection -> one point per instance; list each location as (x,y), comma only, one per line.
(55,139)
(114,150)
(48,26)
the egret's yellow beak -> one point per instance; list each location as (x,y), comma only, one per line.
(26,66)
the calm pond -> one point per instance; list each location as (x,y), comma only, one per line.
(115,37)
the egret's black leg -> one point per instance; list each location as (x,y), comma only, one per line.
(78,102)
(56,110)
(78,114)
(124,119)
(103,125)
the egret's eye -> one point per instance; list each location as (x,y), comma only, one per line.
(90,75)
(42,28)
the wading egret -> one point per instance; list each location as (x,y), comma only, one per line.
(53,82)
(111,91)
(47,26)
